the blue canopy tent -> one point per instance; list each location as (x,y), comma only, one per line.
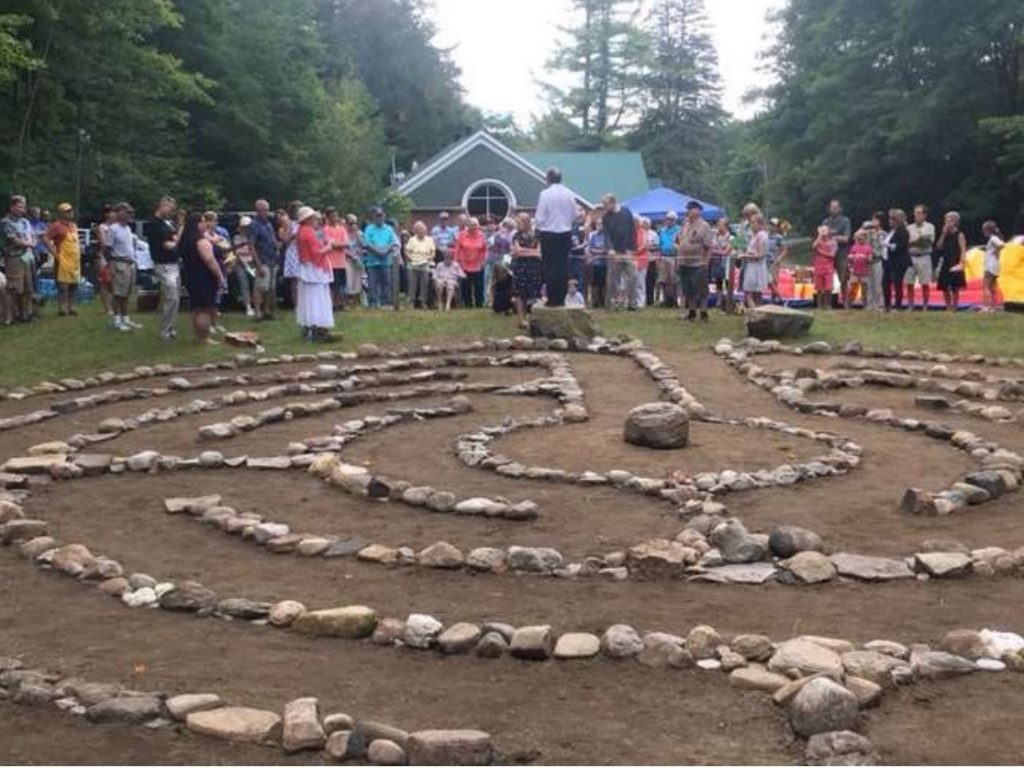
(655,203)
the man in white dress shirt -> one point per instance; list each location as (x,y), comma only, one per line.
(556,214)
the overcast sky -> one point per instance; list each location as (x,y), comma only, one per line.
(502,47)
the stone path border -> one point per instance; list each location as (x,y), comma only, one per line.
(1000,470)
(300,727)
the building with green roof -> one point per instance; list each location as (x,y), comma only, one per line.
(482,176)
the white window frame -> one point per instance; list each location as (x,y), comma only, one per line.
(505,188)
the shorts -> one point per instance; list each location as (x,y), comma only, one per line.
(991,266)
(263,281)
(922,269)
(824,278)
(122,278)
(19,277)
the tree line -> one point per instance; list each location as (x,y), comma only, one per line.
(219,102)
(878,102)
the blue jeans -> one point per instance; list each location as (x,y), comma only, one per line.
(379,285)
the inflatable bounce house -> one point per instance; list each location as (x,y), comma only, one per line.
(796,289)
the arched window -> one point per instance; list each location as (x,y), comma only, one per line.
(488,198)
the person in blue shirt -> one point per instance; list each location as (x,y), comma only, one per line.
(668,279)
(379,243)
(597,260)
(444,235)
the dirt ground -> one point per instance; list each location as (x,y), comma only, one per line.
(553,712)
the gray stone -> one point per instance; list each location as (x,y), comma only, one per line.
(736,544)
(491,646)
(787,540)
(663,650)
(943,564)
(180,707)
(283,613)
(241,724)
(34,693)
(740,573)
(385,752)
(371,730)
(703,641)
(337,721)
(657,425)
(840,748)
(621,641)
(937,665)
(194,505)
(869,568)
(421,631)
(302,729)
(388,631)
(534,559)
(441,555)
(459,638)
(533,643)
(872,665)
(562,323)
(243,608)
(350,621)
(991,480)
(188,596)
(805,658)
(823,705)
(486,559)
(126,709)
(577,645)
(453,747)
(773,322)
(757,678)
(345,745)
(753,647)
(810,567)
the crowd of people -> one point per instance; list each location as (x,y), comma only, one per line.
(323,263)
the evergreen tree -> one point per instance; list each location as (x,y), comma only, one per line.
(681,116)
(601,55)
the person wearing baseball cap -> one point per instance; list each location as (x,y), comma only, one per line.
(379,242)
(61,240)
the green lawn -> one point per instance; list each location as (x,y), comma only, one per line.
(56,347)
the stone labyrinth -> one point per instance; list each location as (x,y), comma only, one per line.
(470,517)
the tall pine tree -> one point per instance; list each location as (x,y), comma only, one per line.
(681,114)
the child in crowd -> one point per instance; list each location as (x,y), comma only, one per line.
(824,249)
(501,285)
(722,253)
(860,265)
(993,245)
(574,297)
(447,277)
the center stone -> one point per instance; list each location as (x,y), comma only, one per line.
(657,425)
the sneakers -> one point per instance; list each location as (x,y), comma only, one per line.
(132,325)
(250,312)
(120,325)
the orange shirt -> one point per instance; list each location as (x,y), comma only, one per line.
(641,248)
(336,234)
(471,250)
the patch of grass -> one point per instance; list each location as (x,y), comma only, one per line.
(56,347)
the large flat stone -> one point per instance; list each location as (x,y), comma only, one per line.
(774,322)
(869,568)
(234,723)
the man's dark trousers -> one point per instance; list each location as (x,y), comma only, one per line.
(554,251)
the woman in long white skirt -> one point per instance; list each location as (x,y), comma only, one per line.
(314,311)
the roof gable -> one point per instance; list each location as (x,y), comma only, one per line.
(592,174)
(425,183)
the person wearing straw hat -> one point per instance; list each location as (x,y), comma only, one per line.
(61,240)
(313,309)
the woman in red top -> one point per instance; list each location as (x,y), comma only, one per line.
(336,235)
(313,309)
(470,254)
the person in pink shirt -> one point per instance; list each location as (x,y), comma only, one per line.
(336,236)
(470,254)
(860,266)
(824,263)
